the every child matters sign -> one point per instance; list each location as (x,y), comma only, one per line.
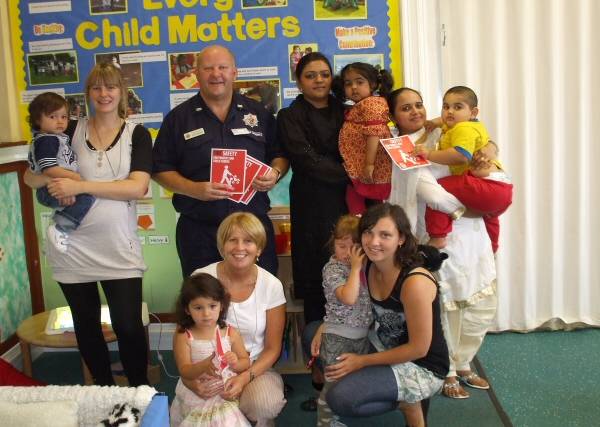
(156,42)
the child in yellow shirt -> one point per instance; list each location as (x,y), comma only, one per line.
(477,179)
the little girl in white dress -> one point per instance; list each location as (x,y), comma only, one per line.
(205,346)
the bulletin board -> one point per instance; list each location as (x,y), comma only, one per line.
(155,43)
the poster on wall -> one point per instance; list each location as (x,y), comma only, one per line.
(155,44)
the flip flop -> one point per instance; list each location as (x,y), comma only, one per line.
(454,387)
(467,380)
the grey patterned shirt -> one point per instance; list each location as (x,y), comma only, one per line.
(359,315)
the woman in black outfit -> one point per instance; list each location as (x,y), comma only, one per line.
(308,130)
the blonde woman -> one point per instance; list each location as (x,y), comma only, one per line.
(257,311)
(115,161)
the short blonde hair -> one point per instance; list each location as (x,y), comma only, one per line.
(247,223)
(105,73)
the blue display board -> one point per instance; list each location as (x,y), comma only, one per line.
(155,43)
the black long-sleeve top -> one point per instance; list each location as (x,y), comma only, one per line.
(309,137)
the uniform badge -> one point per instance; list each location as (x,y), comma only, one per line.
(250,120)
(193,134)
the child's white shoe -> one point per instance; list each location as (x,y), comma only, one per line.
(58,239)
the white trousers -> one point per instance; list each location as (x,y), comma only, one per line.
(465,329)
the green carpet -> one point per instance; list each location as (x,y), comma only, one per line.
(541,379)
(64,368)
(546,378)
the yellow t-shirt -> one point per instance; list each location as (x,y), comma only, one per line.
(466,138)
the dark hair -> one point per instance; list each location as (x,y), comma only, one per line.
(407,254)
(467,92)
(307,59)
(392,98)
(200,285)
(45,103)
(379,80)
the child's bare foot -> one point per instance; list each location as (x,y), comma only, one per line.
(437,242)
(471,379)
(453,389)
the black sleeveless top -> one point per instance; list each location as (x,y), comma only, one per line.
(391,328)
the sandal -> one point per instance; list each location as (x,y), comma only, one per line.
(475,381)
(454,391)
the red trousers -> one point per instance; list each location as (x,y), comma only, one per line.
(487,197)
(360,195)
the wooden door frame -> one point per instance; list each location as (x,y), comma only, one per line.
(32,253)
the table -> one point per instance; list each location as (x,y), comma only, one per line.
(31,332)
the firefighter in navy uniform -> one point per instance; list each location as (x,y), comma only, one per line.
(216,117)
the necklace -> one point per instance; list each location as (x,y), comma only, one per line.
(251,336)
(102,154)
(237,324)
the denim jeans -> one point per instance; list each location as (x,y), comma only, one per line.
(369,391)
(68,218)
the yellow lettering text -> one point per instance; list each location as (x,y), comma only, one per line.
(272,22)
(238,23)
(224,24)
(256,28)
(127,33)
(291,26)
(220,5)
(208,32)
(107,30)
(223,5)
(182,32)
(80,35)
(152,5)
(149,34)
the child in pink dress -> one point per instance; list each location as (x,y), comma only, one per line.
(204,346)
(366,162)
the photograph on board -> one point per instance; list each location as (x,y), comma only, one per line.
(264,91)
(297,51)
(132,73)
(134,103)
(254,4)
(52,67)
(182,69)
(374,59)
(98,7)
(77,105)
(340,9)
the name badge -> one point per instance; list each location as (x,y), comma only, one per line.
(240,131)
(193,133)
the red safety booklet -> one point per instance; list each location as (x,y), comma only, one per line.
(400,150)
(229,167)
